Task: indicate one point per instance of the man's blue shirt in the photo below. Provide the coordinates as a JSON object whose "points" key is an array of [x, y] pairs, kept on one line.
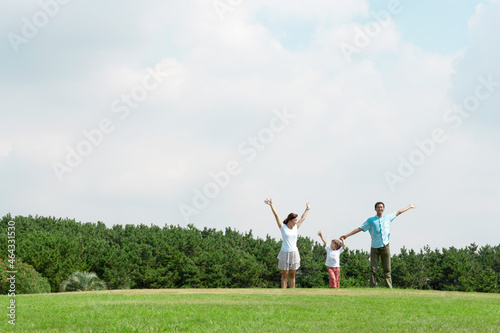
{"points": [[380, 229]]}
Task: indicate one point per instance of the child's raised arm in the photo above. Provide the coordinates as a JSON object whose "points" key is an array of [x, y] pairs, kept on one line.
{"points": [[343, 243], [321, 235]]}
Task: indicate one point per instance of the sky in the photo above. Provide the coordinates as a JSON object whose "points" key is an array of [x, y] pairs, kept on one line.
{"points": [[194, 112]]}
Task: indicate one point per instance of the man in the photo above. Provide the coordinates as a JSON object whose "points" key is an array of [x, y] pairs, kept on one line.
{"points": [[380, 231]]}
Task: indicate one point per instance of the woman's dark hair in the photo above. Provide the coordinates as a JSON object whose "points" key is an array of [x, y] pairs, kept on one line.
{"points": [[290, 217], [378, 203]]}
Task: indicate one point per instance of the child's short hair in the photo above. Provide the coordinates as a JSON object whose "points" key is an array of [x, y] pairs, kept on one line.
{"points": [[337, 243]]}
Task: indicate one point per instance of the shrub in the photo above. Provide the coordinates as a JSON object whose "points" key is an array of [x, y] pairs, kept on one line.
{"points": [[27, 279], [83, 281]]}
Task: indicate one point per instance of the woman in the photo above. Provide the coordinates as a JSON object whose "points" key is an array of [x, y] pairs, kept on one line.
{"points": [[289, 258]]}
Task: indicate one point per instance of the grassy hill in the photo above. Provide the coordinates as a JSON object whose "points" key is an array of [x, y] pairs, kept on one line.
{"points": [[256, 310]]}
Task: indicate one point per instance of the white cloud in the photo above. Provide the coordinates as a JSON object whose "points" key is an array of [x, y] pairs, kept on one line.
{"points": [[5, 148], [320, 9], [352, 120]]}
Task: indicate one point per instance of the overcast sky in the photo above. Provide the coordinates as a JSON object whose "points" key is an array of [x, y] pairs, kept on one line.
{"points": [[193, 112]]}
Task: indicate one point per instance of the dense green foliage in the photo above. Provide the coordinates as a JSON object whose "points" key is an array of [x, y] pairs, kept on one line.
{"points": [[25, 280], [175, 257]]}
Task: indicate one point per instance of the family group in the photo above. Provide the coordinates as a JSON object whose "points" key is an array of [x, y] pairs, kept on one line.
{"points": [[379, 227]]}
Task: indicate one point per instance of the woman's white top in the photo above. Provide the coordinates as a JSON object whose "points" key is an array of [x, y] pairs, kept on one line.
{"points": [[333, 256], [289, 237]]}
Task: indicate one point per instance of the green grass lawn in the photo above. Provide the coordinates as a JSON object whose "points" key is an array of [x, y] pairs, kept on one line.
{"points": [[256, 310]]}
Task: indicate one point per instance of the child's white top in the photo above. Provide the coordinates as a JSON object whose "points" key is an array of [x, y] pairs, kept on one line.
{"points": [[289, 237], [333, 256]]}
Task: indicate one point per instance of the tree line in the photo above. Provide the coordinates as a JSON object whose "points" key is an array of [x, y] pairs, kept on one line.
{"points": [[186, 257]]}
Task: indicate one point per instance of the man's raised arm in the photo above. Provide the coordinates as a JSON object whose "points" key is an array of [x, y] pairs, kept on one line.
{"points": [[410, 206]]}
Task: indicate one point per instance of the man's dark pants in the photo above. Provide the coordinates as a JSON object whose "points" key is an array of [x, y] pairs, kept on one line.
{"points": [[385, 254]]}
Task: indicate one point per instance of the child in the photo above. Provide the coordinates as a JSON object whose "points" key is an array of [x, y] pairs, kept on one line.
{"points": [[333, 259]]}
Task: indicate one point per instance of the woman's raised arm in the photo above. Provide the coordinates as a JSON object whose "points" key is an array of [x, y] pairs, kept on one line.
{"points": [[270, 203], [308, 207]]}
